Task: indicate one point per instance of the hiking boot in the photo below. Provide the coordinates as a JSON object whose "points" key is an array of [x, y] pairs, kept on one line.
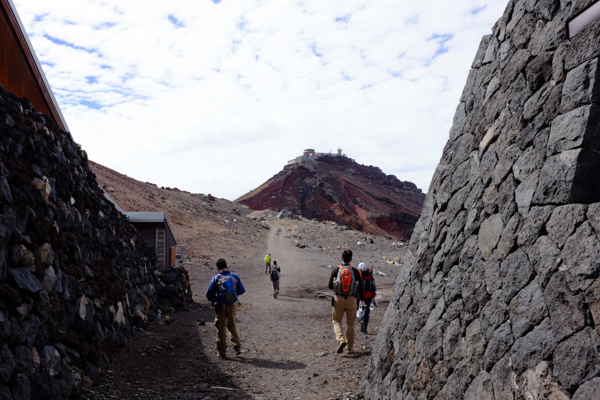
{"points": [[363, 328], [341, 346], [350, 351], [238, 350]]}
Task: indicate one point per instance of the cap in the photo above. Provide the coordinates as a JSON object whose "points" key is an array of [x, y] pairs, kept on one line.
{"points": [[362, 266]]}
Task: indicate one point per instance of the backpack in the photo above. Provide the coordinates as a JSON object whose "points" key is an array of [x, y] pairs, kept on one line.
{"points": [[227, 285], [368, 283], [344, 283], [275, 274]]}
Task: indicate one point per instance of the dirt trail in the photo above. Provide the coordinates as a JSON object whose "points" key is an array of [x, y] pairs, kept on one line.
{"points": [[288, 343]]}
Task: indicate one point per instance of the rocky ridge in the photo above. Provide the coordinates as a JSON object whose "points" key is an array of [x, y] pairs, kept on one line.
{"points": [[336, 188], [74, 275], [499, 296]]}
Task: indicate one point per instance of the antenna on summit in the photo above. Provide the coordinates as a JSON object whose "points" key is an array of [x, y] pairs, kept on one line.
{"points": [[339, 151]]}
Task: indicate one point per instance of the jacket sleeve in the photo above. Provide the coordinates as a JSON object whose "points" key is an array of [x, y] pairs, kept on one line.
{"points": [[240, 289], [360, 283], [211, 292], [333, 275]]}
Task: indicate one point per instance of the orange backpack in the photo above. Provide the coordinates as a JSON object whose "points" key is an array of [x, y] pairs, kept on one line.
{"points": [[344, 283]]}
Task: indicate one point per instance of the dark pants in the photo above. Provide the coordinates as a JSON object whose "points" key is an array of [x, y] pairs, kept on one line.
{"points": [[367, 311]]}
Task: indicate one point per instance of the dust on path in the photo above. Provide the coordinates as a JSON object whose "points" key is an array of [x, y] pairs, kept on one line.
{"points": [[288, 343]]}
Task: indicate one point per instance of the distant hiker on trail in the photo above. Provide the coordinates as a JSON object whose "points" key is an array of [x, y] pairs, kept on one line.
{"points": [[268, 264], [222, 292], [369, 292], [275, 275], [346, 282]]}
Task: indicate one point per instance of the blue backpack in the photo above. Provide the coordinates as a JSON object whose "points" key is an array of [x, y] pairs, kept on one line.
{"points": [[227, 285]]}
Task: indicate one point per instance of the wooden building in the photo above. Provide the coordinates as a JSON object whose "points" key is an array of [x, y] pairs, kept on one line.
{"points": [[155, 230], [20, 70]]}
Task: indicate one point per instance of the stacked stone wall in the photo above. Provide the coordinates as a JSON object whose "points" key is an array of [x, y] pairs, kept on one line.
{"points": [[74, 274], [499, 296]]}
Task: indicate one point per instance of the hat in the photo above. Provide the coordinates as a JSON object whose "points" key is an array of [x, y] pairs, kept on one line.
{"points": [[362, 266]]}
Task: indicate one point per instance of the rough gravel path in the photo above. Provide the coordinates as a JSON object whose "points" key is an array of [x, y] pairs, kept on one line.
{"points": [[288, 343]]}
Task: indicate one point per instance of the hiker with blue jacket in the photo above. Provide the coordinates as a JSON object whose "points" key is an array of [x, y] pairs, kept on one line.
{"points": [[222, 292]]}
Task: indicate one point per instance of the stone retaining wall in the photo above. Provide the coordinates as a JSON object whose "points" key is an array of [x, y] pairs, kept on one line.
{"points": [[499, 296], [74, 274]]}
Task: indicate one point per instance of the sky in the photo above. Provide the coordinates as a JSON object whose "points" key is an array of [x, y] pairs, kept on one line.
{"points": [[215, 96]]}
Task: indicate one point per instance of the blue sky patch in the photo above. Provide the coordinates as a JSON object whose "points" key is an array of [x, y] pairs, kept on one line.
{"points": [[40, 17], [346, 76], [477, 10], [91, 79], [413, 20], [442, 48], [71, 45], [104, 25], [216, 1], [105, 66], [175, 21], [90, 104], [315, 52], [50, 64], [395, 74], [127, 76], [345, 19]]}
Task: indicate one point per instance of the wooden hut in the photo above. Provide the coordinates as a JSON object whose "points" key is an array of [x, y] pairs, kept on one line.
{"points": [[155, 230]]}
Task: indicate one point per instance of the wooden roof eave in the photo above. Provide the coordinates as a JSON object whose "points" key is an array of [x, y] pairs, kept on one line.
{"points": [[34, 65]]}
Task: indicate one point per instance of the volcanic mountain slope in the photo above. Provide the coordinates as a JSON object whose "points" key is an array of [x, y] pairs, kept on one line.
{"points": [[338, 189], [209, 227]]}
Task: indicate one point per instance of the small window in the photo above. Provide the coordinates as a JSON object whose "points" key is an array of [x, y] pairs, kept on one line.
{"points": [[583, 19]]}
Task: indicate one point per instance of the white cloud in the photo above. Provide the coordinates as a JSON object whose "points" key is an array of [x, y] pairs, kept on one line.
{"points": [[217, 96]]}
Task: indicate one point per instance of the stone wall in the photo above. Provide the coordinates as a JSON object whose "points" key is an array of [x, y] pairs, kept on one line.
{"points": [[74, 274], [499, 296]]}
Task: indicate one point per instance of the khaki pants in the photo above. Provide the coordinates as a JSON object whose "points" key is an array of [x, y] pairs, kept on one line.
{"points": [[344, 306], [275, 289], [225, 319], [267, 267]]}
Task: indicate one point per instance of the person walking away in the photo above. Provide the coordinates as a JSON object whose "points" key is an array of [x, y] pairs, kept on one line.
{"points": [[268, 264], [223, 291], [369, 293], [275, 275], [346, 283]]}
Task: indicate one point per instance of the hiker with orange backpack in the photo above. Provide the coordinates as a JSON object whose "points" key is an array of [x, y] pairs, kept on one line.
{"points": [[346, 282], [369, 293]]}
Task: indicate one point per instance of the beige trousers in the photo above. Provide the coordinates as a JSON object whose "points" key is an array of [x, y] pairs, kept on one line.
{"points": [[275, 288], [225, 320], [344, 306]]}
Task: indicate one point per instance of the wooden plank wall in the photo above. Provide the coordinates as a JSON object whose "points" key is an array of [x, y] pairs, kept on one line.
{"points": [[18, 73]]}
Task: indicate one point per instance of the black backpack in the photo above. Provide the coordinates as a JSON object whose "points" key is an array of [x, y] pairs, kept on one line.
{"points": [[274, 274]]}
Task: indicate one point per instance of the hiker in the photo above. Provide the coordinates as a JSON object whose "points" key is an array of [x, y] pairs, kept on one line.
{"points": [[268, 264], [345, 281], [275, 275], [222, 292], [369, 293]]}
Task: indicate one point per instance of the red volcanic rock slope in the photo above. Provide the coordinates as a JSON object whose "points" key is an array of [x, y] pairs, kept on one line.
{"points": [[336, 188]]}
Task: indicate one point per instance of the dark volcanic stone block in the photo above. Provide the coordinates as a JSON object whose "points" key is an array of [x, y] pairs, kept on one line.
{"points": [[577, 359], [24, 279]]}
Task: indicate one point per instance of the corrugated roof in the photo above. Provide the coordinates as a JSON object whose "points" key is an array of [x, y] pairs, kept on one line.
{"points": [[145, 216]]}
